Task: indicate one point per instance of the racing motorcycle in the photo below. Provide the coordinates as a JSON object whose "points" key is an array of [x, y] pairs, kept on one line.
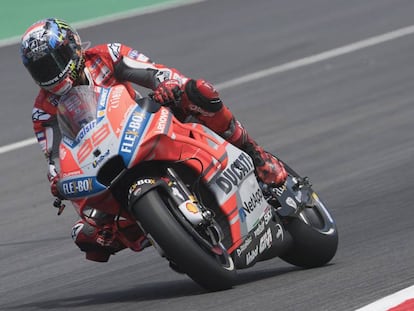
{"points": [[190, 193]]}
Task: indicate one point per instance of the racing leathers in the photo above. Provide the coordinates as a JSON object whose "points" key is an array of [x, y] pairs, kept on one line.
{"points": [[110, 64]]}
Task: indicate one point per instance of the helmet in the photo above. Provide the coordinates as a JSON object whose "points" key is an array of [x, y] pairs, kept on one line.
{"points": [[51, 51]]}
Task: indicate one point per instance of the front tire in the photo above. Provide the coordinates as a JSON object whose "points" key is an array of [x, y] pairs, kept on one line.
{"points": [[179, 246]]}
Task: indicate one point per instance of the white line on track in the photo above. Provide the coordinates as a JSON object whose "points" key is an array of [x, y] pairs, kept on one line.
{"points": [[346, 49], [18, 145]]}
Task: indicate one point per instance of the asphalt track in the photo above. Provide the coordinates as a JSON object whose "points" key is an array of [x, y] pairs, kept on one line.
{"points": [[347, 122]]}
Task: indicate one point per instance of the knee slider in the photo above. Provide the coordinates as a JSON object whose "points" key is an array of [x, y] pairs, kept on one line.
{"points": [[204, 95]]}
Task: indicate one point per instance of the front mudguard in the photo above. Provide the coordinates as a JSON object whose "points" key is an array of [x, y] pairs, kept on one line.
{"points": [[143, 185]]}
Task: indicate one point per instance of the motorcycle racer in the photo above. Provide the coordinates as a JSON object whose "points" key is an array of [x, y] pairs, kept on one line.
{"points": [[52, 52]]}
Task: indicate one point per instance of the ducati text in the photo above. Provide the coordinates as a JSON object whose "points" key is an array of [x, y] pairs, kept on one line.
{"points": [[234, 173]]}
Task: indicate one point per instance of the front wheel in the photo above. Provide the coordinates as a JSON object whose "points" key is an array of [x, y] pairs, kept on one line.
{"points": [[180, 247]]}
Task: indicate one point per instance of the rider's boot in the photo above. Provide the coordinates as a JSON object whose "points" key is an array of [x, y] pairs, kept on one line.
{"points": [[94, 242], [269, 169], [203, 101], [99, 243]]}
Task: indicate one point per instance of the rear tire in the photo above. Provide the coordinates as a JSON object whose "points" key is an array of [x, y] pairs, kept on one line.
{"points": [[311, 248], [314, 234], [179, 246]]}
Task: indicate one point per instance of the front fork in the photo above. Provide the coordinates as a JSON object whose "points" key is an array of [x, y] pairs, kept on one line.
{"points": [[187, 202], [193, 210]]}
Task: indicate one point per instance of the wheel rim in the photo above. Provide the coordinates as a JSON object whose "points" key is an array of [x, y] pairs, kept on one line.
{"points": [[318, 217]]}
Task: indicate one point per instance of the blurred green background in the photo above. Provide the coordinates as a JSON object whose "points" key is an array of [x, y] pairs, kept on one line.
{"points": [[16, 16]]}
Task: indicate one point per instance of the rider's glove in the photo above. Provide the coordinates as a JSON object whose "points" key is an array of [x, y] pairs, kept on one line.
{"points": [[53, 177], [168, 92]]}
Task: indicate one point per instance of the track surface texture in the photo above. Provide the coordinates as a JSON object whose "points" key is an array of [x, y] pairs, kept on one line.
{"points": [[346, 122]]}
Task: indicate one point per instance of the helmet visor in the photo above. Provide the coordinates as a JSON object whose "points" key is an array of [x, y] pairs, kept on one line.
{"points": [[51, 68]]}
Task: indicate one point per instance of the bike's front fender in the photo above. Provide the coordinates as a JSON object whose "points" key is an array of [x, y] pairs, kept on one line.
{"points": [[185, 202], [143, 185]]}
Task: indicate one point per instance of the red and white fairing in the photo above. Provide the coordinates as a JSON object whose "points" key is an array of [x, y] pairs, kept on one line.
{"points": [[120, 127]]}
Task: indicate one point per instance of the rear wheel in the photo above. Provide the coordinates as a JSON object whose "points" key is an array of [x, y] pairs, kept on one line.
{"points": [[314, 234], [213, 268], [315, 240]]}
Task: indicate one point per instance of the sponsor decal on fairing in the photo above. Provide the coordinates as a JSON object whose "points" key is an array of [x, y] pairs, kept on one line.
{"points": [[191, 212], [235, 173], [260, 228], [251, 256], [85, 130], [252, 205], [266, 241], [163, 120], [132, 133], [249, 205], [71, 143], [62, 153], [79, 187], [244, 246], [242, 215], [115, 99], [262, 224], [238, 178], [268, 215], [73, 173], [100, 159], [254, 200], [103, 98]]}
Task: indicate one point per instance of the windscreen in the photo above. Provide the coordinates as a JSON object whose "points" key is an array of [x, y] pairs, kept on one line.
{"points": [[77, 110]]}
